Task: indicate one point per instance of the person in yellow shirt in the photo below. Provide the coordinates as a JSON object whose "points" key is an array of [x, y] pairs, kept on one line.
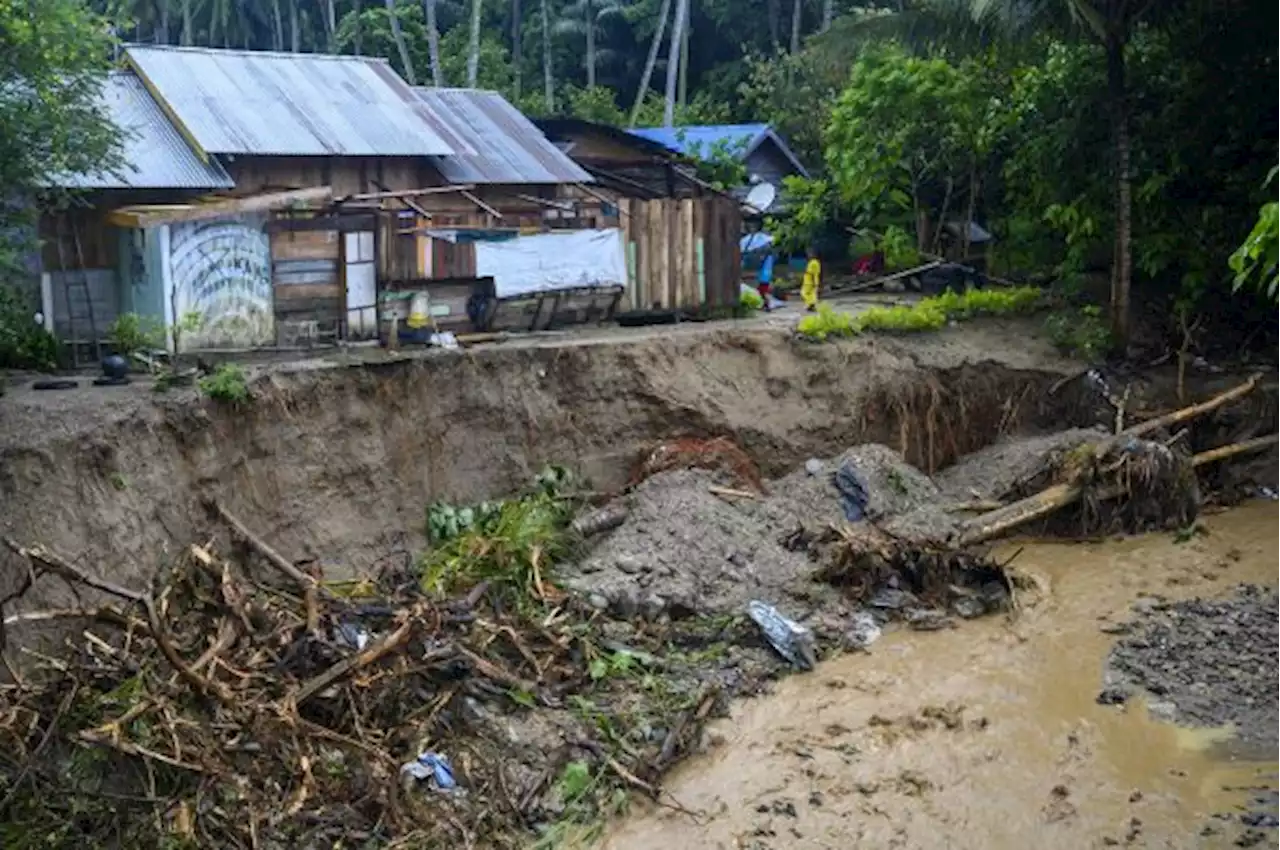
{"points": [[812, 280]]}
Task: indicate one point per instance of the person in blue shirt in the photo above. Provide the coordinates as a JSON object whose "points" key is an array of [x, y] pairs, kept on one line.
{"points": [[764, 280]]}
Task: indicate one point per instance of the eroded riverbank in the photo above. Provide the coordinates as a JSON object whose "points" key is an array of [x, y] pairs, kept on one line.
{"points": [[989, 736]]}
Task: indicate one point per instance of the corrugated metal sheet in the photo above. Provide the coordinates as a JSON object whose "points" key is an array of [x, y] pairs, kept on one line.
{"points": [[509, 148], [289, 104], [155, 154], [739, 139]]}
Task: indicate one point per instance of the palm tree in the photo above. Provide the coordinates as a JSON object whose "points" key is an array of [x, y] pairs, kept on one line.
{"points": [[1110, 24], [795, 26], [548, 78], [517, 48], [400, 45], [673, 62], [583, 19], [828, 14], [651, 60], [473, 53], [433, 42]]}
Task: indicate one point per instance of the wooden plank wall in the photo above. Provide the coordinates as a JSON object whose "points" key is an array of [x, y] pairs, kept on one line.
{"points": [[306, 275], [668, 270]]}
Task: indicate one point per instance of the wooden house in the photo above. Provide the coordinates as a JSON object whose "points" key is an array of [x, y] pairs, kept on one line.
{"points": [[682, 235]]}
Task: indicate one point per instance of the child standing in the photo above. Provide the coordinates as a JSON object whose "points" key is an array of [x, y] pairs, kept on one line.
{"points": [[812, 280], [764, 281]]}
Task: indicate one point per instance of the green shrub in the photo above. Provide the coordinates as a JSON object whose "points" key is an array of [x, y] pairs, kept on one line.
{"points": [[750, 300], [23, 343], [1080, 332], [130, 333], [826, 322], [927, 314], [922, 316], [227, 384], [899, 248]]}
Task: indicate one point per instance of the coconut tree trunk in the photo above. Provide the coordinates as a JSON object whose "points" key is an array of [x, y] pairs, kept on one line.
{"points": [[403, 49], [774, 13], [795, 27], [684, 56], [651, 60], [517, 47], [548, 76], [590, 12], [295, 27], [162, 30], [187, 33], [473, 53], [828, 14], [330, 24], [277, 26], [433, 42], [1122, 267], [673, 62], [358, 7]]}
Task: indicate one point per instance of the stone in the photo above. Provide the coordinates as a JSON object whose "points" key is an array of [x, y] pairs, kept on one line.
{"points": [[625, 603], [628, 564], [968, 607], [813, 466], [598, 601], [653, 606]]}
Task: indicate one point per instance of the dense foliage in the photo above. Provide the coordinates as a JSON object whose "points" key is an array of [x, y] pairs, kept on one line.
{"points": [[53, 55], [908, 114]]}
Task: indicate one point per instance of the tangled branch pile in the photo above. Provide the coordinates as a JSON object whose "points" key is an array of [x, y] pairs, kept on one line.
{"points": [[221, 710]]}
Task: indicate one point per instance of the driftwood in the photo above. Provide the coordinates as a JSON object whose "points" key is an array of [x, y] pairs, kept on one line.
{"points": [[1002, 520]]}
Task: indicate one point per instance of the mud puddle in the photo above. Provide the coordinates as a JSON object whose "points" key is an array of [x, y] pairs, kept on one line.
{"points": [[989, 736]]}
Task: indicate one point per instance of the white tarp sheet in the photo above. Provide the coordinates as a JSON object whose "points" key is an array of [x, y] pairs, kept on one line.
{"points": [[545, 262]]}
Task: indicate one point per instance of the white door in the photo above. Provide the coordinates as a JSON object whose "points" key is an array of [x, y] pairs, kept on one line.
{"points": [[362, 286]]}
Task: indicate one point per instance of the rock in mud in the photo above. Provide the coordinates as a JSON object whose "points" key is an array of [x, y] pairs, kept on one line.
{"points": [[968, 607]]}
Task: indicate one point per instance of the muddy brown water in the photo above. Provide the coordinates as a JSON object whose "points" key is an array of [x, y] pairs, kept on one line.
{"points": [[988, 736]]}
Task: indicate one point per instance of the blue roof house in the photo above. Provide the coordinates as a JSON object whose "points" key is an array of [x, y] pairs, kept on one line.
{"points": [[766, 155]]}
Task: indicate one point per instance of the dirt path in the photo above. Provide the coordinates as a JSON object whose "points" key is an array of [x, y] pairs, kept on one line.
{"points": [[990, 736]]}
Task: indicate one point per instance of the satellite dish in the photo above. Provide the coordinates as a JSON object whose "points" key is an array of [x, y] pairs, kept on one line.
{"points": [[761, 196]]}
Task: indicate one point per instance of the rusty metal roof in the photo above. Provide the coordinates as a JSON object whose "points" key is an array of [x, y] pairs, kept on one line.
{"points": [[509, 148], [287, 104], [155, 156]]}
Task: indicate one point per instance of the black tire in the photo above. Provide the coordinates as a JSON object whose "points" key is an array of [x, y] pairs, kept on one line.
{"points": [[62, 384]]}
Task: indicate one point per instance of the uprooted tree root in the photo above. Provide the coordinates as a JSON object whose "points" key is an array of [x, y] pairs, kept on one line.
{"points": [[718, 454], [220, 711], [934, 422], [1128, 482], [865, 561]]}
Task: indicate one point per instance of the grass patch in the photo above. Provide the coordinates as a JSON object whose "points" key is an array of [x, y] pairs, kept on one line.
{"points": [[927, 314], [510, 544], [227, 384]]}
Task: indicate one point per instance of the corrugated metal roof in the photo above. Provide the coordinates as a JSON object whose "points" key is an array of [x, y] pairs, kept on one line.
{"points": [[741, 139], [288, 104], [155, 154], [509, 148]]}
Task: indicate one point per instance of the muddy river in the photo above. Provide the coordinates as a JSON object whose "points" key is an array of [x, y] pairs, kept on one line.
{"points": [[988, 736]]}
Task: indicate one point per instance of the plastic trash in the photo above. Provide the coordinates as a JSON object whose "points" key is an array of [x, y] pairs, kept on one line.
{"points": [[1268, 493], [792, 641], [434, 767], [445, 339], [853, 493], [863, 630], [353, 635]]}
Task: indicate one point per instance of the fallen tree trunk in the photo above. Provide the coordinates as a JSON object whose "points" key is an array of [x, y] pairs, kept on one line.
{"points": [[997, 522]]}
